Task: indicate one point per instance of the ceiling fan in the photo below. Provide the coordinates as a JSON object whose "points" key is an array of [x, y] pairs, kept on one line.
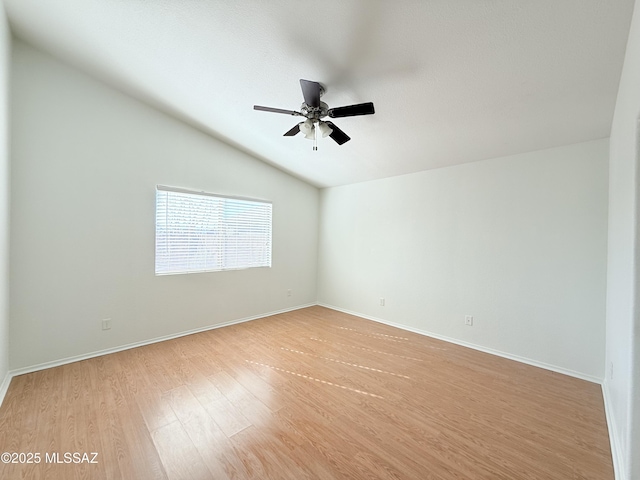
{"points": [[314, 110]]}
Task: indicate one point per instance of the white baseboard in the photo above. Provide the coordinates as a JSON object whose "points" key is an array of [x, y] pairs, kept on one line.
{"points": [[616, 451], [5, 386], [517, 358], [98, 353]]}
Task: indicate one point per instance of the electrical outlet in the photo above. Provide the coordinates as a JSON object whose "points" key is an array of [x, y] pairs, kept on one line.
{"points": [[382, 302], [106, 324], [288, 292], [468, 320]]}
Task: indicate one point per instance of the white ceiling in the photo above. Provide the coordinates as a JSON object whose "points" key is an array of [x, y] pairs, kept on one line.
{"points": [[452, 81]]}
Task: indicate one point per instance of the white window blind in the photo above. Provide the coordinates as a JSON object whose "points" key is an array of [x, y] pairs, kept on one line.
{"points": [[199, 232]]}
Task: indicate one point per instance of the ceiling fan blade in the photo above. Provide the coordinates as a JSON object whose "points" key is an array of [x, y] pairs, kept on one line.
{"points": [[294, 131], [338, 135], [276, 110], [310, 92], [352, 110]]}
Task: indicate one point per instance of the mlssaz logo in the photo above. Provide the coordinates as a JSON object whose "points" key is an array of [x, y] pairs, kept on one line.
{"points": [[71, 457]]}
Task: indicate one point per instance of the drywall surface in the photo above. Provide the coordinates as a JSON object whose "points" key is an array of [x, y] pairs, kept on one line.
{"points": [[5, 55], [86, 161], [623, 326], [519, 243]]}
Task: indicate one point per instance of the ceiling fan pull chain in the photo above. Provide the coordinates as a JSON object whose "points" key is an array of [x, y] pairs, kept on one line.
{"points": [[315, 137]]}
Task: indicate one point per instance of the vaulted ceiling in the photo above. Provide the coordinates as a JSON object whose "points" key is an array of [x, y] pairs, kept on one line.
{"points": [[452, 81]]}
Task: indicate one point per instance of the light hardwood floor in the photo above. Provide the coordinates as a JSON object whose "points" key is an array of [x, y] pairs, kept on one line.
{"points": [[312, 394]]}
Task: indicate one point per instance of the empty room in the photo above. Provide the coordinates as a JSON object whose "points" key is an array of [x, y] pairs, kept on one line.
{"points": [[355, 239]]}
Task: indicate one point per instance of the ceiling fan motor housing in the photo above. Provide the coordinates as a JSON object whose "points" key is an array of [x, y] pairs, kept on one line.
{"points": [[314, 113]]}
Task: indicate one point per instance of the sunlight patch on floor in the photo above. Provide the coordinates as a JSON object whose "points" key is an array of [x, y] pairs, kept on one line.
{"points": [[315, 379]]}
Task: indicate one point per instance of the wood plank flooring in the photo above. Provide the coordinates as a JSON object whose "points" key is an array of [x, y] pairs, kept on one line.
{"points": [[311, 394]]}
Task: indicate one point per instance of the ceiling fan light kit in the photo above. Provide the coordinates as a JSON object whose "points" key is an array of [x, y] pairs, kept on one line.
{"points": [[325, 129], [314, 110], [306, 127]]}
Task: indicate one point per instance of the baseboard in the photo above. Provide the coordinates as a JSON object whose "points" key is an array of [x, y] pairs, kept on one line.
{"points": [[480, 348], [616, 451], [107, 351], [5, 386]]}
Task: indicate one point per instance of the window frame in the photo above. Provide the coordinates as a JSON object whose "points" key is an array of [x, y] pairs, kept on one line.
{"points": [[188, 271]]}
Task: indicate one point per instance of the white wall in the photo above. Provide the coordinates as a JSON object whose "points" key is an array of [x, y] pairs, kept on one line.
{"points": [[85, 163], [5, 53], [624, 200], [518, 242]]}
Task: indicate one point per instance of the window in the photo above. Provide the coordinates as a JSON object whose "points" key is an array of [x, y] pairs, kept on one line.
{"points": [[201, 232]]}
